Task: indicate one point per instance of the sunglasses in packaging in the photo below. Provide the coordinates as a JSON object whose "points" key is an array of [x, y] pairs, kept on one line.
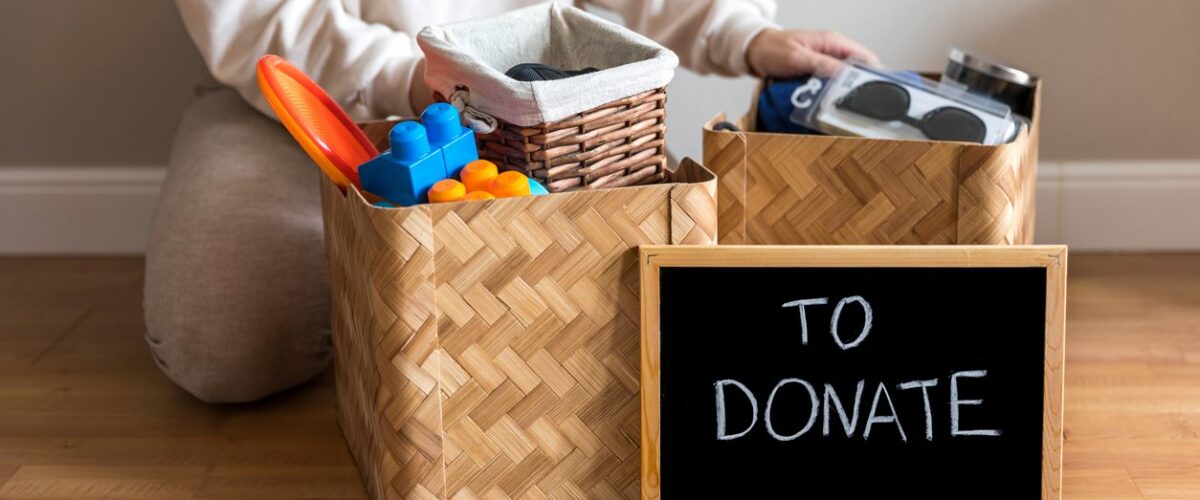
{"points": [[866, 102]]}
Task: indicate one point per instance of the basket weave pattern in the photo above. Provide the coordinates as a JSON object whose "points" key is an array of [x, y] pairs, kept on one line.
{"points": [[618, 144], [832, 190], [491, 349], [810, 189]]}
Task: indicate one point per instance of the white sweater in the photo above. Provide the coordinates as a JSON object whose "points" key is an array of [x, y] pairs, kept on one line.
{"points": [[364, 52]]}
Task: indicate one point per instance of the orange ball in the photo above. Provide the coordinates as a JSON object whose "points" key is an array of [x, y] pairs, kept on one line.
{"points": [[447, 190], [479, 195], [510, 184], [478, 175]]}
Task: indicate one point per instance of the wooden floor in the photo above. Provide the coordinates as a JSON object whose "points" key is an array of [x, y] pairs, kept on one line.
{"points": [[84, 413]]}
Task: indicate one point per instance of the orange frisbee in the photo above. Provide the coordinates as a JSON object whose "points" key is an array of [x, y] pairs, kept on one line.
{"points": [[315, 120]]}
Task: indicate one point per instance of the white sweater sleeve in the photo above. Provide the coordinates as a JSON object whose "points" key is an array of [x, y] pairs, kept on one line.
{"points": [[710, 36], [366, 67]]}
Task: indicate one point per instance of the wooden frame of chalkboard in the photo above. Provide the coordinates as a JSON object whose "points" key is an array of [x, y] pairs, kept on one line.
{"points": [[654, 259]]}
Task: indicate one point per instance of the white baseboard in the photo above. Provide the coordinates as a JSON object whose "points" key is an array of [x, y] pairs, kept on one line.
{"points": [[1120, 205], [67, 211], [1091, 206]]}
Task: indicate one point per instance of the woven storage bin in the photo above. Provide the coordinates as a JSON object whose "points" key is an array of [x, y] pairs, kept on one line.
{"points": [[618, 144], [603, 128], [816, 189], [490, 349]]}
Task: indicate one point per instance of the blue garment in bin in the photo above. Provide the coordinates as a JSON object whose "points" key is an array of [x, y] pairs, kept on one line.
{"points": [[775, 107]]}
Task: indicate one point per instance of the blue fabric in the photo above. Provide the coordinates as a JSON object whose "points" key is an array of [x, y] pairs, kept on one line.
{"points": [[775, 108]]}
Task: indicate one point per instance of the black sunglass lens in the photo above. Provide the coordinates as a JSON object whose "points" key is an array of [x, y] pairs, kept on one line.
{"points": [[878, 100], [953, 124]]}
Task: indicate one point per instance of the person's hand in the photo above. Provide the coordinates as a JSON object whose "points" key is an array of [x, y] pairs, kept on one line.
{"points": [[781, 53]]}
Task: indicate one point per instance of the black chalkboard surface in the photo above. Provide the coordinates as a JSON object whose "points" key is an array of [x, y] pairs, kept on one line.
{"points": [[848, 372]]}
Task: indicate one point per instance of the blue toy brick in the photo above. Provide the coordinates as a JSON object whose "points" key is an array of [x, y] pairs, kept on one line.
{"points": [[442, 123], [536, 188], [404, 173], [459, 152], [446, 132], [403, 183]]}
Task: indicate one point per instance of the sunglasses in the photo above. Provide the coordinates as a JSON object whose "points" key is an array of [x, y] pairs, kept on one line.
{"points": [[888, 101]]}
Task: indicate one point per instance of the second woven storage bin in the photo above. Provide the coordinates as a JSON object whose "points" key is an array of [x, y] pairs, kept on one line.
{"points": [[788, 189], [490, 349], [600, 129]]}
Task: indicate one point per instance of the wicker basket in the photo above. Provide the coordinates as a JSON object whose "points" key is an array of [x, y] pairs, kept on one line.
{"points": [[617, 144], [785, 189], [490, 349]]}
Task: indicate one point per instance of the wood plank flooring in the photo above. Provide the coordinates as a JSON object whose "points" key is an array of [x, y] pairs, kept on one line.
{"points": [[84, 413]]}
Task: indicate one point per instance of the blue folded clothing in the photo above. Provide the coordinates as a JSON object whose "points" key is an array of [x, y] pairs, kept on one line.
{"points": [[776, 108]]}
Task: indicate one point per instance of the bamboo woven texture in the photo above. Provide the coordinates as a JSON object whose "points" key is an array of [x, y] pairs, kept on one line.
{"points": [[810, 189], [618, 144], [490, 349]]}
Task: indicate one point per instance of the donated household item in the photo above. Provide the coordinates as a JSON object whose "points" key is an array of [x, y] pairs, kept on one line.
{"points": [[888, 101], [446, 132], [404, 173], [447, 190], [510, 184], [491, 347], [315, 120], [866, 102], [824, 189], [536, 72], [598, 129], [986, 76], [420, 154], [536, 188], [478, 175], [777, 104], [479, 195], [726, 126], [783, 104]]}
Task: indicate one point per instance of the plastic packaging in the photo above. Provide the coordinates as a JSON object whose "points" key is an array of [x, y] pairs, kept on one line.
{"points": [[866, 102]]}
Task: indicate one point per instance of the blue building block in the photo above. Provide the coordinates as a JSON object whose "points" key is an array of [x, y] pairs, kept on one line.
{"points": [[404, 173], [447, 133], [536, 188]]}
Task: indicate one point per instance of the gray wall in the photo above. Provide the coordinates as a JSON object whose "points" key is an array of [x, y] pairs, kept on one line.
{"points": [[1120, 75], [91, 82]]}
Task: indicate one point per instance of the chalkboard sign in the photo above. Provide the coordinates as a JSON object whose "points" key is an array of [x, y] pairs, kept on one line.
{"points": [[852, 372]]}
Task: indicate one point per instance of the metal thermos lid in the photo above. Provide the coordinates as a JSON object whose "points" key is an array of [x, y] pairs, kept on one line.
{"points": [[992, 68]]}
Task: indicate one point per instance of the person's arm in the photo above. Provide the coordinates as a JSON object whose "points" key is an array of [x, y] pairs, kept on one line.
{"points": [[710, 36], [735, 37], [367, 68]]}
